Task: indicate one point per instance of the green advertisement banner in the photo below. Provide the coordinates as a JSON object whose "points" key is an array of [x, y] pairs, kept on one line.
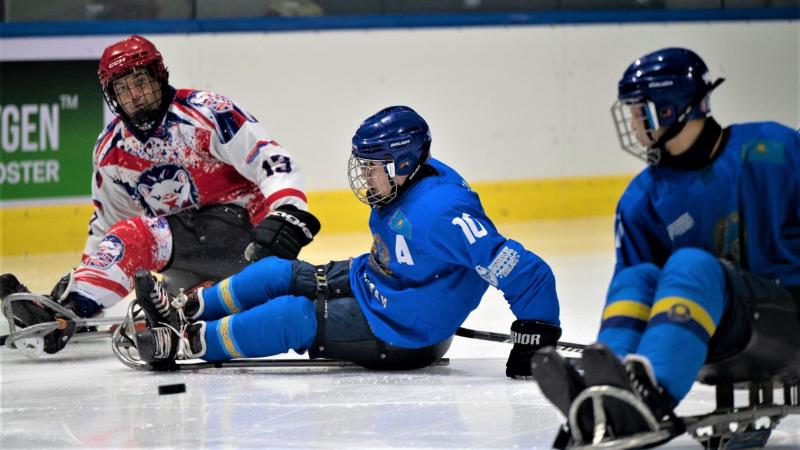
{"points": [[51, 113]]}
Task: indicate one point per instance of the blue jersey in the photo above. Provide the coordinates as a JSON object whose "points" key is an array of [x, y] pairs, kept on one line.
{"points": [[744, 206], [433, 257]]}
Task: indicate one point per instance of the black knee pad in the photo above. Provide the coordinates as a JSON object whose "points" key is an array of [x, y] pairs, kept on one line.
{"points": [[331, 280], [209, 242]]}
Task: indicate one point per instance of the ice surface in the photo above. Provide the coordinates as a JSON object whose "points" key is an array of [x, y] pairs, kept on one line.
{"points": [[83, 397]]}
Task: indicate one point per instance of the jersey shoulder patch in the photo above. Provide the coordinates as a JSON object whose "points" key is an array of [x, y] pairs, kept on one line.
{"points": [[215, 102]]}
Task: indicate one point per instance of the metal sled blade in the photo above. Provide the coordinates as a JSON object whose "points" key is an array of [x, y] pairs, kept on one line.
{"points": [[40, 330], [601, 439], [123, 343], [738, 429]]}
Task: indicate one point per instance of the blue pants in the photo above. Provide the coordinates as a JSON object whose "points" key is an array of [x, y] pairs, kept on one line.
{"points": [[272, 306], [668, 315]]}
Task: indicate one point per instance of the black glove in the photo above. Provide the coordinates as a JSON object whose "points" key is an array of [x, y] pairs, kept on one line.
{"points": [[282, 233], [59, 291], [27, 313], [528, 336]]}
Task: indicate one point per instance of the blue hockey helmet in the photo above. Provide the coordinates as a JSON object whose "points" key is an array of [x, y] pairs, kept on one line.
{"points": [[393, 142], [661, 90]]}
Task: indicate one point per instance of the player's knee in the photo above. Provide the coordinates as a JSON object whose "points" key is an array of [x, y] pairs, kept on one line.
{"points": [[272, 274], [297, 319], [636, 283], [694, 275], [693, 267], [130, 231], [138, 241]]}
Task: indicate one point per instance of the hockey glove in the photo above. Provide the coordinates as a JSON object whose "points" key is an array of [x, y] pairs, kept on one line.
{"points": [[61, 289], [282, 233], [528, 336]]}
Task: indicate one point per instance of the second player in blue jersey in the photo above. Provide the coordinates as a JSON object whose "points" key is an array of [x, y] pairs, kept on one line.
{"points": [[434, 255]]}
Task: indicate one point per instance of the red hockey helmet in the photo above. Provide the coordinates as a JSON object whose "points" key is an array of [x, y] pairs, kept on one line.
{"points": [[124, 56], [129, 55]]}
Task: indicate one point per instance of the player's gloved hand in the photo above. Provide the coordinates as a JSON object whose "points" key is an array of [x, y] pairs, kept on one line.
{"points": [[282, 233], [60, 290], [29, 313], [528, 336]]}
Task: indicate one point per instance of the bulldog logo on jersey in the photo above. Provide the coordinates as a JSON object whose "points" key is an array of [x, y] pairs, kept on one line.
{"points": [[218, 103], [166, 189], [108, 251]]}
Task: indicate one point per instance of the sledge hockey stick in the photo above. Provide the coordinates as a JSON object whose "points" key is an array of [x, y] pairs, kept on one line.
{"points": [[562, 346], [277, 363]]}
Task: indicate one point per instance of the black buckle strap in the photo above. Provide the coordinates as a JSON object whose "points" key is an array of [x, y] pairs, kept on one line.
{"points": [[323, 290]]}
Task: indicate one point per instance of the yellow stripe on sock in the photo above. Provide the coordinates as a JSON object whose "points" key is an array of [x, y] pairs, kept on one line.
{"points": [[227, 296], [227, 339], [682, 309], [627, 308]]}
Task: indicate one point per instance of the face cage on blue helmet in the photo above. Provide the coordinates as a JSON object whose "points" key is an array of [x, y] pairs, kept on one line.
{"points": [[365, 175], [624, 113]]}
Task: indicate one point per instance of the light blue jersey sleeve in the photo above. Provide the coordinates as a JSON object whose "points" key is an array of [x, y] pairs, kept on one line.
{"points": [[463, 235], [637, 238]]}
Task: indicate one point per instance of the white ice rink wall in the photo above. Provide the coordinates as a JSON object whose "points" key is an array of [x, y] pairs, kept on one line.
{"points": [[503, 103], [521, 111], [520, 102]]}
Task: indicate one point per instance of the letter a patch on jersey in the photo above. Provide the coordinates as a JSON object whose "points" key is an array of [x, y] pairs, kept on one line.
{"points": [[401, 251]]}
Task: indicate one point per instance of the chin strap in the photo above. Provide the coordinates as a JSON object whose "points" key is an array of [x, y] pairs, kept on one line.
{"points": [[168, 94], [681, 121]]}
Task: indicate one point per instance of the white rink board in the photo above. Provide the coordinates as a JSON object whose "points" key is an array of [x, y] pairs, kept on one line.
{"points": [[503, 102]]}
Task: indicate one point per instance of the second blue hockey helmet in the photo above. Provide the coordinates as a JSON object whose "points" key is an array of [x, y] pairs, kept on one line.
{"points": [[662, 89], [397, 140]]}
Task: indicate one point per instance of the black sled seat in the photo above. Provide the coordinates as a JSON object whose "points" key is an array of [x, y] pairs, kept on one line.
{"points": [[770, 359], [772, 353]]}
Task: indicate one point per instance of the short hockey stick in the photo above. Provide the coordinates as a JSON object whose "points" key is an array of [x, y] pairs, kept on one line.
{"points": [[502, 337]]}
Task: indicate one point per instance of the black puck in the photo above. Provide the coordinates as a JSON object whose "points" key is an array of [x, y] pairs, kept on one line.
{"points": [[166, 389]]}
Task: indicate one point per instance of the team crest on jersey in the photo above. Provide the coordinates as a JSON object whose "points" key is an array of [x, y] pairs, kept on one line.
{"points": [[108, 251], [166, 189], [726, 238], [380, 255], [218, 103]]}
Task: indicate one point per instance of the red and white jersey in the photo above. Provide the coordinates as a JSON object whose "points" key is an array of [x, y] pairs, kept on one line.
{"points": [[207, 151]]}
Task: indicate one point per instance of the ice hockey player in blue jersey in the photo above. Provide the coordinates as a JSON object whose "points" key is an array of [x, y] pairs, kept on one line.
{"points": [[434, 254], [707, 231]]}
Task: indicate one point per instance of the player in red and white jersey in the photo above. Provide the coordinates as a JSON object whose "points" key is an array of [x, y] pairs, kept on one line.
{"points": [[185, 182]]}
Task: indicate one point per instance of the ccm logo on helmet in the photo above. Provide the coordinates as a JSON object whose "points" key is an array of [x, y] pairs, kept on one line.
{"points": [[525, 339], [398, 144], [116, 63]]}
